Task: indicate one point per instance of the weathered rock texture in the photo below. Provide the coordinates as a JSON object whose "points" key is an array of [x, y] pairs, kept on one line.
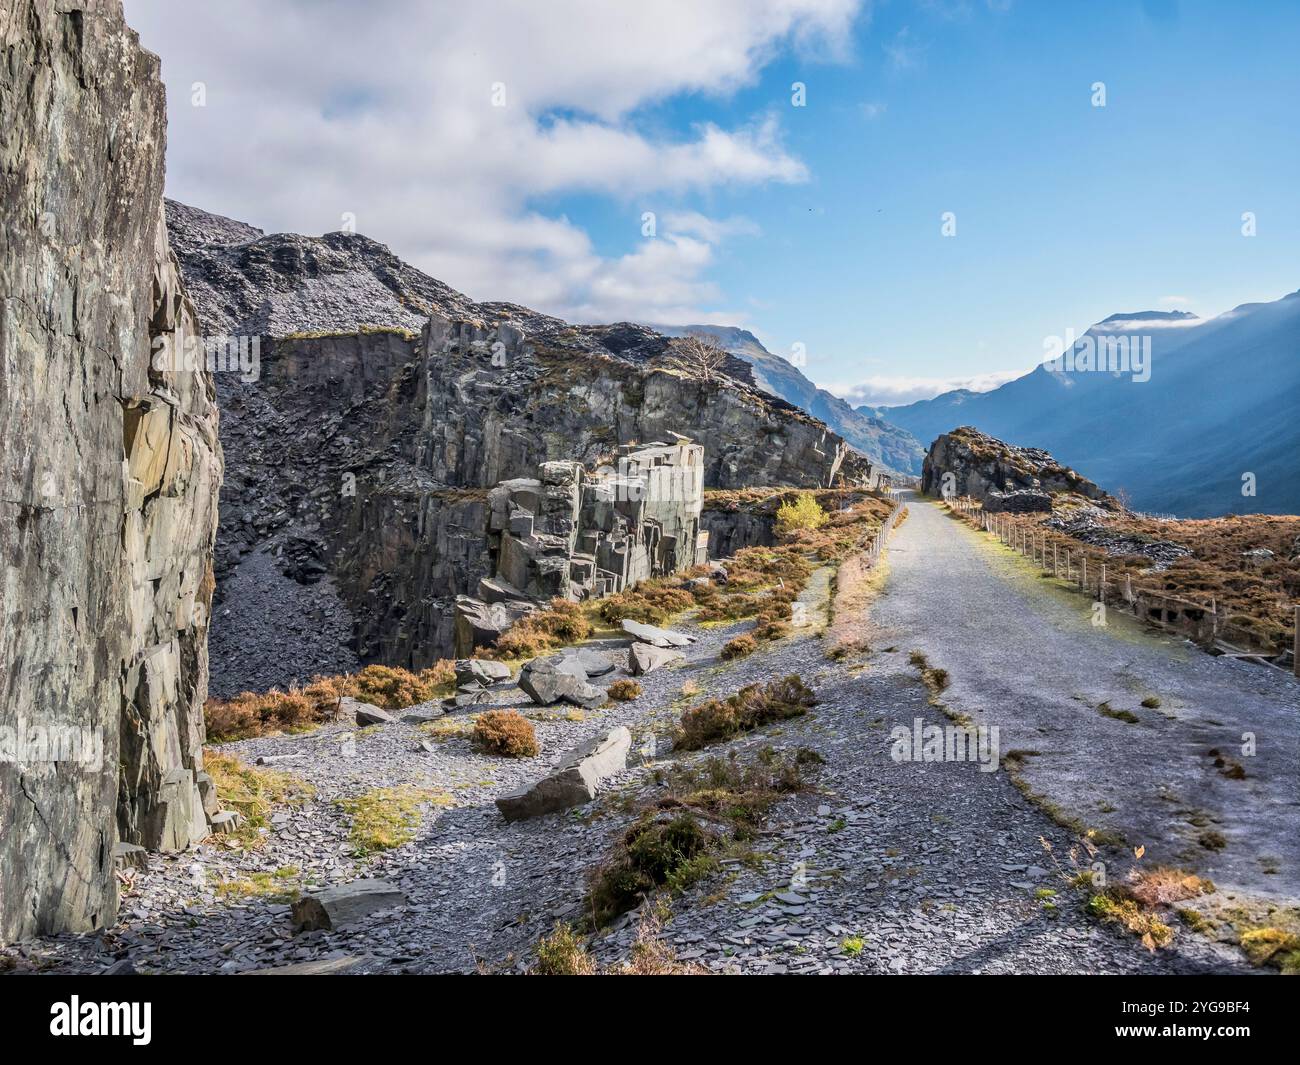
{"points": [[362, 454], [999, 475], [109, 472], [577, 534], [574, 781]]}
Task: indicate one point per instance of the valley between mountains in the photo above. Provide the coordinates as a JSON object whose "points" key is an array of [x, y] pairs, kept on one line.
{"points": [[866, 864], [352, 624]]}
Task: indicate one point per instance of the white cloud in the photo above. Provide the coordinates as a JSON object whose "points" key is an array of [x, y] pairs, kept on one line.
{"points": [[386, 111], [893, 391], [903, 52], [873, 110]]}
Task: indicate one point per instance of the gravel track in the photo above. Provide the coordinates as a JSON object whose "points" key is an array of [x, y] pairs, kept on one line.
{"points": [[1023, 654], [883, 867]]}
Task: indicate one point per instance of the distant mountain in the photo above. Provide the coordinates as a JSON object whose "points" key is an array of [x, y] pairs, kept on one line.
{"points": [[1220, 403], [884, 443]]}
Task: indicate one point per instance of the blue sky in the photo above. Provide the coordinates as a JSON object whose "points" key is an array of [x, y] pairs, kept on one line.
{"points": [[819, 225], [1065, 212]]}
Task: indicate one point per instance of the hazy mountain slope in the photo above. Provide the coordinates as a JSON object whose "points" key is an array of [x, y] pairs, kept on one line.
{"points": [[1220, 403], [885, 443]]}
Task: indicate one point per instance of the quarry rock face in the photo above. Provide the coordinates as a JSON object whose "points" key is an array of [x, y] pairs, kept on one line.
{"points": [[365, 452], [109, 474], [573, 534], [1001, 476]]}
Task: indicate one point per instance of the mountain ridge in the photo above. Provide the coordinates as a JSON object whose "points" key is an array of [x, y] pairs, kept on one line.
{"points": [[882, 442], [1210, 425]]}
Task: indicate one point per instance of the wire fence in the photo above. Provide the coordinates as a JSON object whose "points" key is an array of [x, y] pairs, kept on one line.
{"points": [[1202, 622]]}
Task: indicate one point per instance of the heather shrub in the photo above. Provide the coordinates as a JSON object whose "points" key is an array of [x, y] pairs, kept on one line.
{"points": [[249, 714], [624, 690], [750, 708], [658, 851], [738, 647], [562, 623], [507, 733], [394, 688], [770, 627]]}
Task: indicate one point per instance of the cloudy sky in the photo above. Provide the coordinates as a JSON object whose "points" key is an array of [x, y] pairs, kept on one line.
{"points": [[656, 160]]}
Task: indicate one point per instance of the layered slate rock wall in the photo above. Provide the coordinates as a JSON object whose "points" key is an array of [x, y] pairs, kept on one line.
{"points": [[967, 462], [109, 472], [577, 534], [384, 408]]}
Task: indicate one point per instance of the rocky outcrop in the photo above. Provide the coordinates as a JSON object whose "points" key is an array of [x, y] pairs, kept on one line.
{"points": [[419, 402], [108, 475], [967, 462]]}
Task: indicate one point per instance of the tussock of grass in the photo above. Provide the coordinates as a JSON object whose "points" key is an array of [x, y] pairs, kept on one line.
{"points": [[624, 690], [1113, 909], [1273, 946], [253, 793], [563, 953], [750, 708], [279, 885], [507, 733], [385, 818], [1127, 716]]}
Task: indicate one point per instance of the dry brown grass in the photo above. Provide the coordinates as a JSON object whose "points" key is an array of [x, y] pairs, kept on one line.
{"points": [[507, 733], [563, 953], [752, 707], [249, 714]]}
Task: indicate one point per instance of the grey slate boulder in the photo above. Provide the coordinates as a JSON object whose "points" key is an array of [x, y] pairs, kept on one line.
{"points": [[130, 855], [656, 636], [572, 782], [365, 713], [481, 671], [344, 904], [643, 658], [559, 678], [226, 822]]}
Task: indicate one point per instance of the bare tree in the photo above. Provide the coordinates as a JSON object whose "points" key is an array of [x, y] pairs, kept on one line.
{"points": [[698, 355]]}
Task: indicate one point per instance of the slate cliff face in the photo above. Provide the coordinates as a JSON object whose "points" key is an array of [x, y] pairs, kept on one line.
{"points": [[361, 455], [109, 474]]}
